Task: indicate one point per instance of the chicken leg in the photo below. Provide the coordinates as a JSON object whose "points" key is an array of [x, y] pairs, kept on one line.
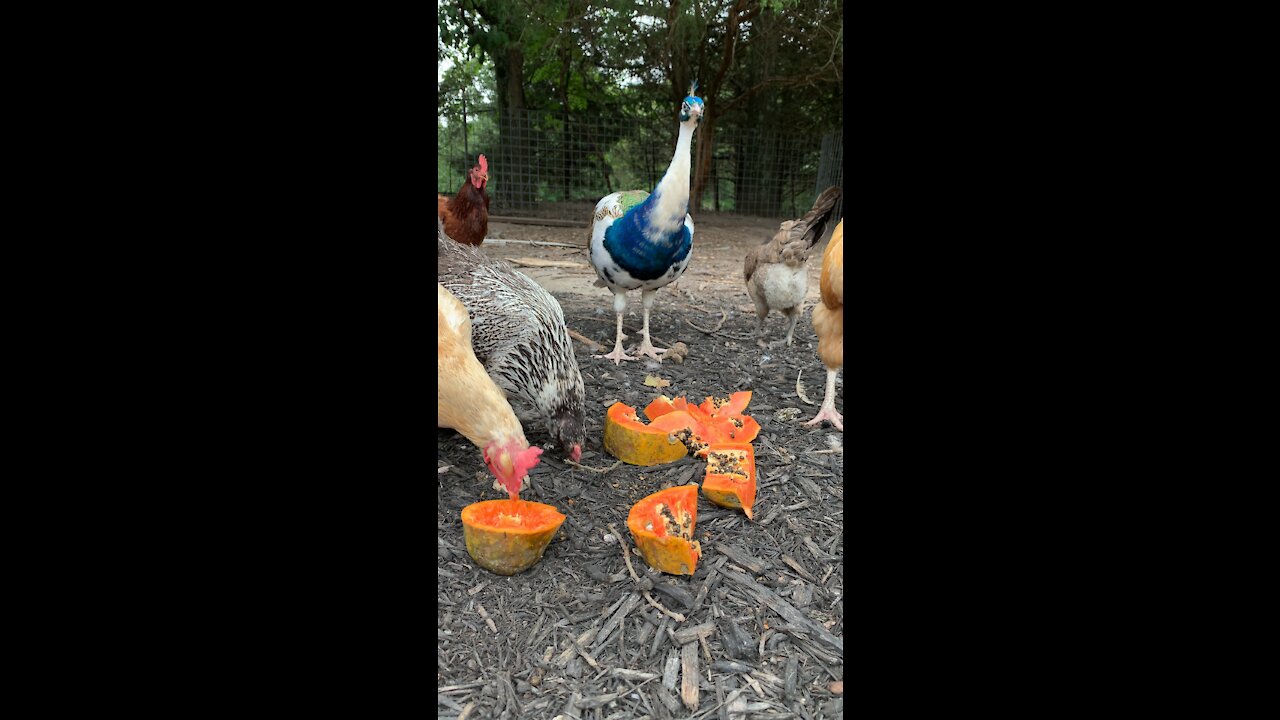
{"points": [[793, 313], [762, 312], [646, 347], [620, 306], [828, 411]]}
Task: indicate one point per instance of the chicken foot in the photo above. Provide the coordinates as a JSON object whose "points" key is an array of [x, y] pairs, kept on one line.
{"points": [[828, 411]]}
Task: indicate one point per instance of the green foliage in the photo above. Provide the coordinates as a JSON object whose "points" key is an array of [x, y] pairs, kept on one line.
{"points": [[630, 61]]}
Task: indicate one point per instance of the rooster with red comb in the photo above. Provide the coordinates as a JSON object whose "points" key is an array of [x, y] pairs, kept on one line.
{"points": [[469, 402], [466, 215]]}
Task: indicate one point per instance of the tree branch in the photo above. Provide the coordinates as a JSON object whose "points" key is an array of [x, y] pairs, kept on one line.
{"points": [[787, 80]]}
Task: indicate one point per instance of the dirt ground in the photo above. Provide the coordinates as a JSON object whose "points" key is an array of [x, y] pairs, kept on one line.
{"points": [[761, 625]]}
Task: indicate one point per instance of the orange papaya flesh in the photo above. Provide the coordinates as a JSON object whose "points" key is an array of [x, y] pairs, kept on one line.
{"points": [[697, 435], [738, 428], [634, 443], [732, 405], [659, 407], [731, 476], [508, 536], [663, 525]]}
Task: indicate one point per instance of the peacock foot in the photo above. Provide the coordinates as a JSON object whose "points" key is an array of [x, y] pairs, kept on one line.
{"points": [[830, 415], [617, 356], [647, 349]]}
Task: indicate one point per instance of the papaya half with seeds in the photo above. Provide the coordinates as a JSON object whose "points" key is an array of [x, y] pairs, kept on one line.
{"points": [[663, 525], [508, 536], [731, 476], [634, 443]]}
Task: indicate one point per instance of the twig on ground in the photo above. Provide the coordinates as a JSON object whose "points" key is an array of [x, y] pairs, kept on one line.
{"points": [[535, 243], [585, 340], [609, 469], [626, 555], [723, 316]]}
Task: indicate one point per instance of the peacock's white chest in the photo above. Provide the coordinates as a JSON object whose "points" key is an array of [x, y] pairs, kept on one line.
{"points": [[784, 287]]}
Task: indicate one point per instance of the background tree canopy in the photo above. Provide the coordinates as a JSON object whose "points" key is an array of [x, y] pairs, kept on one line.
{"points": [[523, 67]]}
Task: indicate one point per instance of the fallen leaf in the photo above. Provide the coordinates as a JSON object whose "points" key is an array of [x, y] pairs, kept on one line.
{"points": [[800, 389], [655, 381]]}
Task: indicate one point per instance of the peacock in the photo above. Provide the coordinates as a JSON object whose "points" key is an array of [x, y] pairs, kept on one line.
{"points": [[642, 241]]}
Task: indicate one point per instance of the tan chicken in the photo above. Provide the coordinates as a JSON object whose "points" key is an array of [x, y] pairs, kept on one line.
{"points": [[469, 402], [828, 322], [776, 276]]}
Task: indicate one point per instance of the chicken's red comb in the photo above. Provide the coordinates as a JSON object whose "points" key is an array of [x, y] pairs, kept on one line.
{"points": [[484, 165]]}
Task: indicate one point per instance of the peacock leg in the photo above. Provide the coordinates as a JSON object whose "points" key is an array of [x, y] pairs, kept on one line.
{"points": [[646, 347], [618, 355], [828, 411]]}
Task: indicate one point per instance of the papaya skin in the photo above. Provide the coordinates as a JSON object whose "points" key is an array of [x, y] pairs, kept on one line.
{"points": [[635, 443], [499, 543]]}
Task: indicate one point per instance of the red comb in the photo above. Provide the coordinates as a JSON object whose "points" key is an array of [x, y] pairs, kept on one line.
{"points": [[484, 165]]}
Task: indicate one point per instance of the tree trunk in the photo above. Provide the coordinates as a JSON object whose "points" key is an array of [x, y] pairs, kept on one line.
{"points": [[705, 139], [516, 172]]}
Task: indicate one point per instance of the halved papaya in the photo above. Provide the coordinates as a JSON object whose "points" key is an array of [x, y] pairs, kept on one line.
{"points": [[508, 536], [662, 525], [731, 476], [732, 405], [634, 443]]}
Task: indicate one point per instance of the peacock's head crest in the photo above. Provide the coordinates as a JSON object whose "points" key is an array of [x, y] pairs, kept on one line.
{"points": [[692, 107]]}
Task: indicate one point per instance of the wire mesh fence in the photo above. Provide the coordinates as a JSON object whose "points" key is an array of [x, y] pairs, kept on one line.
{"points": [[549, 165]]}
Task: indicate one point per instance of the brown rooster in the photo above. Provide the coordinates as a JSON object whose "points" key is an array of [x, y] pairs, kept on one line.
{"points": [[828, 322], [466, 215]]}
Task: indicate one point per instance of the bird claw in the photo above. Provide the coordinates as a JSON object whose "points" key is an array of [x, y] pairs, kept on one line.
{"points": [[617, 356], [829, 414], [650, 351]]}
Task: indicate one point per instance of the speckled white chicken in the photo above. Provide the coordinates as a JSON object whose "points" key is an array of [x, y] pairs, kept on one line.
{"points": [[775, 272], [518, 333]]}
